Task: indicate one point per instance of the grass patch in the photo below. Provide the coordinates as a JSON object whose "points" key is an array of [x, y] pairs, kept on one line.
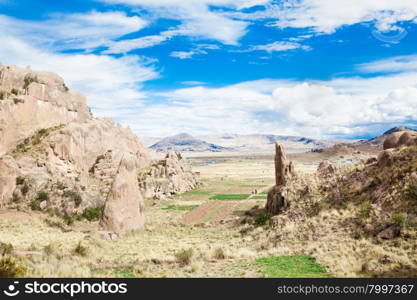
{"points": [[125, 273], [294, 266], [259, 197], [230, 197], [180, 207], [93, 214]]}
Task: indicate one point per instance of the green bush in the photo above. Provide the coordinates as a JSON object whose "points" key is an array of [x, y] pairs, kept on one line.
{"points": [[10, 268], [93, 214], [398, 218], [263, 219], [20, 180], [80, 249], [365, 209], [219, 253], [184, 257], [42, 196]]}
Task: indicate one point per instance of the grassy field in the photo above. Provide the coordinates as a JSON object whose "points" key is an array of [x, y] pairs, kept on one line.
{"points": [[230, 197], [294, 266]]}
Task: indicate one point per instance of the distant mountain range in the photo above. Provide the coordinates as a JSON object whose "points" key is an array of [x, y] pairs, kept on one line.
{"points": [[254, 143], [186, 143]]}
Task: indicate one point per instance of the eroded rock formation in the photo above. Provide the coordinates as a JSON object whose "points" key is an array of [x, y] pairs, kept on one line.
{"points": [[172, 175], [284, 170], [124, 210]]}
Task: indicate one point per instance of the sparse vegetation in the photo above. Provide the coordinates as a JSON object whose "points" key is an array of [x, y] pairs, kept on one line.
{"points": [[74, 196], [42, 196], [184, 257], [80, 249], [10, 268], [263, 219], [295, 266], [6, 249], [93, 214], [218, 253], [230, 197], [180, 207], [365, 209], [398, 218], [412, 190]]}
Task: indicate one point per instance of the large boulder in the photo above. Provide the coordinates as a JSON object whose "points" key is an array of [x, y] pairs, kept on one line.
{"points": [[284, 170], [124, 210], [400, 139]]}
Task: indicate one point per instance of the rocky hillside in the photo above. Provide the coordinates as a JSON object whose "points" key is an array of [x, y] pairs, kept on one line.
{"points": [[357, 220], [54, 156], [186, 143], [379, 140]]}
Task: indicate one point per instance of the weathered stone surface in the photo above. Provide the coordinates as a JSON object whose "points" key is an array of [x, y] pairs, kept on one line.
{"points": [[32, 100], [400, 139], [276, 200], [284, 170], [389, 232], [171, 175], [385, 158], [326, 168], [7, 179], [124, 208]]}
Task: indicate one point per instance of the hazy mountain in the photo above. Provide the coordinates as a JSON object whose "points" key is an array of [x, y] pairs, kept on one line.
{"points": [[186, 143]]}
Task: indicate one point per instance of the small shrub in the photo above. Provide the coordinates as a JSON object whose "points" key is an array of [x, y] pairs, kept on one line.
{"points": [[263, 219], [15, 91], [35, 204], [398, 218], [10, 268], [184, 257], [6, 248], [218, 253], [3, 95], [24, 189], [411, 190], [80, 249], [68, 219], [20, 180], [365, 209], [48, 249], [74, 196], [93, 214], [18, 100], [42, 196]]}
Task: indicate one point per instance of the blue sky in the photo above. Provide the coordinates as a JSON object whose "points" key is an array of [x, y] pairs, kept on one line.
{"points": [[318, 68]]}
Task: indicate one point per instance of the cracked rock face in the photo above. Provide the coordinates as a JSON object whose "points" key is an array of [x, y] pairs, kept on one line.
{"points": [[124, 208], [169, 176]]}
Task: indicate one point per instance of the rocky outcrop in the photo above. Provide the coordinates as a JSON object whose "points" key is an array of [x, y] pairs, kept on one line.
{"points": [[400, 139], [32, 100], [169, 176], [284, 170], [326, 169], [124, 208]]}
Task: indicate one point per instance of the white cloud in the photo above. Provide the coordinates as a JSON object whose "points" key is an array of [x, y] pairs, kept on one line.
{"points": [[73, 31], [280, 46], [393, 64], [197, 18], [328, 15], [110, 84]]}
